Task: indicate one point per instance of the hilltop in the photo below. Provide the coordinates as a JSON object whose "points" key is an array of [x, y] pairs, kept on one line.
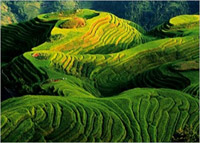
{"points": [[87, 75], [84, 31]]}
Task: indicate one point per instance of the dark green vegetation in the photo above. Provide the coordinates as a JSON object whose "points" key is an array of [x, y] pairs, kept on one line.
{"points": [[187, 134], [92, 76], [21, 37]]}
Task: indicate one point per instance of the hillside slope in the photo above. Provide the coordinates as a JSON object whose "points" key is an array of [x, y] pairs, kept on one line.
{"points": [[97, 32], [148, 115], [95, 77]]}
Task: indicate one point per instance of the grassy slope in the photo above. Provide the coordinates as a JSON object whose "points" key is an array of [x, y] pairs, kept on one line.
{"points": [[103, 67], [103, 33], [23, 36], [183, 25], [148, 115], [114, 71]]}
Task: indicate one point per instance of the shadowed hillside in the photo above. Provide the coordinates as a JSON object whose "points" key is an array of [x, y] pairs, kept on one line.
{"points": [[87, 75]]}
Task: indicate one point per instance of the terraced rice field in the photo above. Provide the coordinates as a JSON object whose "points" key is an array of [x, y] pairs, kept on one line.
{"points": [[107, 80], [148, 115], [23, 36]]}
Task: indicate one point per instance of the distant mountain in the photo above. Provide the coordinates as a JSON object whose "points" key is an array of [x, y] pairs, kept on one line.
{"points": [[7, 17], [25, 10]]}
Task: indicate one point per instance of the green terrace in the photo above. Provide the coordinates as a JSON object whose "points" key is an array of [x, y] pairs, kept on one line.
{"points": [[91, 76]]}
